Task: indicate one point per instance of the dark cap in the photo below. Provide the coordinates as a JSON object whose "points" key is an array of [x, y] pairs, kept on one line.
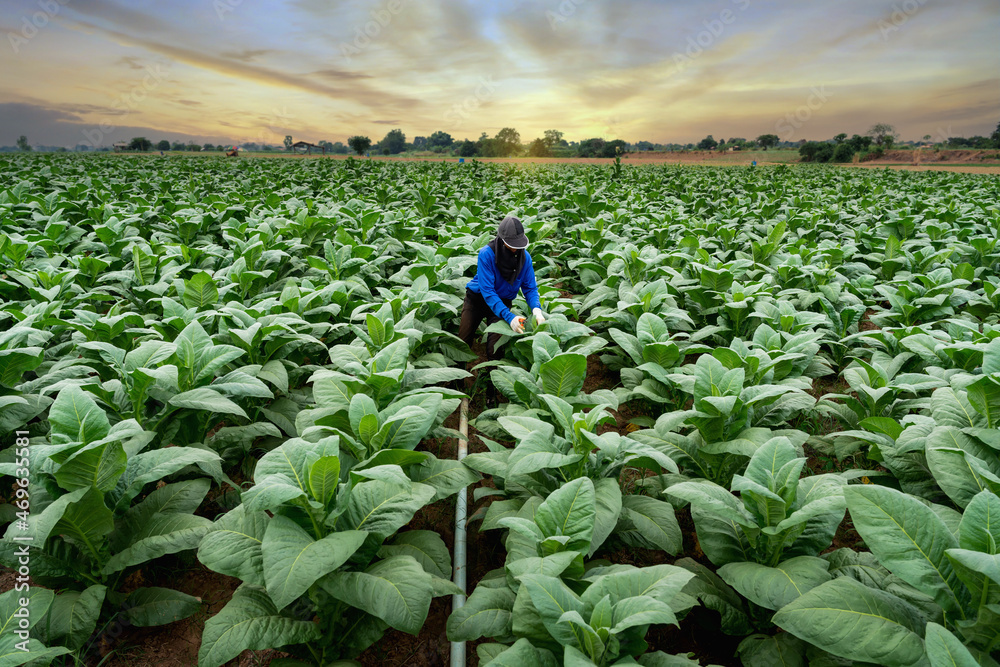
{"points": [[511, 232]]}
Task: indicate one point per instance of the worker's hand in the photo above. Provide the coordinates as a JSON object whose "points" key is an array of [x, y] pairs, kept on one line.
{"points": [[539, 318], [517, 324]]}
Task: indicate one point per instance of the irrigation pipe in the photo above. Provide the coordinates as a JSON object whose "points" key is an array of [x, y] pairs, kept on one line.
{"points": [[458, 600]]}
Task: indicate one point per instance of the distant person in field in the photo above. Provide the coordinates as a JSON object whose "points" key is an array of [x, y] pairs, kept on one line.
{"points": [[503, 270]]}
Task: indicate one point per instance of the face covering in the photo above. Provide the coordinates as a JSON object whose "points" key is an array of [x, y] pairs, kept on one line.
{"points": [[508, 263]]}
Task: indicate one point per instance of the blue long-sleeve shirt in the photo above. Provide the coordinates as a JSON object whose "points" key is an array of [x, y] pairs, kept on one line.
{"points": [[494, 288]]}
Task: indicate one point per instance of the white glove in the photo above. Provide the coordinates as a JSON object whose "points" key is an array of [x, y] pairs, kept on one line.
{"points": [[539, 318], [517, 324]]}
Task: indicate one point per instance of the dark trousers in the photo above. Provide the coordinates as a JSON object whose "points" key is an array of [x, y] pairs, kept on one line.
{"points": [[474, 310]]}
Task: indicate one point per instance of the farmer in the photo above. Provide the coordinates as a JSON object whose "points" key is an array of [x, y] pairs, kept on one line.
{"points": [[504, 268]]}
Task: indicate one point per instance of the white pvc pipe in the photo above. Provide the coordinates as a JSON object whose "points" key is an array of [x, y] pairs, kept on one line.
{"points": [[458, 601]]}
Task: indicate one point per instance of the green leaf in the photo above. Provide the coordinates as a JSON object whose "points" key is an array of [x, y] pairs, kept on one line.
{"points": [[563, 375], [99, 467], [909, 539], [487, 613], [200, 291], [324, 476], [208, 400], [945, 650], [396, 589], [86, 522], [654, 520], [856, 622], [76, 417], [72, 617], [250, 621], [381, 508], [775, 587], [766, 651], [446, 476], [232, 546], [163, 534], [980, 526], [553, 598], [570, 510], [147, 607], [294, 561], [426, 547], [608, 497]]}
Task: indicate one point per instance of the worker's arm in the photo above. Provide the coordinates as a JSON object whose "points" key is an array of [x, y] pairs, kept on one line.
{"points": [[487, 274]]}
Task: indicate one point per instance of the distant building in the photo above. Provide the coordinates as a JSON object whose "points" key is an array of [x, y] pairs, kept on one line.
{"points": [[120, 146]]}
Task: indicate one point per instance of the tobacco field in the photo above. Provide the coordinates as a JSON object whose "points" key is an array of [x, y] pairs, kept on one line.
{"points": [[759, 426]]}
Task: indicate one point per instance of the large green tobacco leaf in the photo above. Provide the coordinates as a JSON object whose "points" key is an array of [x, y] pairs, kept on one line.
{"points": [[250, 621], [980, 526], [909, 539], [293, 560], [563, 375], [147, 607], [75, 417], [654, 521], [381, 507], [426, 547], [780, 649], [232, 545], [774, 587], [945, 650], [99, 466], [162, 534], [856, 622], [487, 613], [72, 617], [208, 400], [86, 522], [396, 589], [570, 511], [446, 476]]}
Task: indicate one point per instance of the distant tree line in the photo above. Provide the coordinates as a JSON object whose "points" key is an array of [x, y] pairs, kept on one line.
{"points": [[507, 143]]}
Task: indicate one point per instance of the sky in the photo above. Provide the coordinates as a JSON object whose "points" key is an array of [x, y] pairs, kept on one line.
{"points": [[234, 71]]}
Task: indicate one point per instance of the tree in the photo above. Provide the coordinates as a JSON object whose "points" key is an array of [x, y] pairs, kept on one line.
{"points": [[164, 145], [707, 144], [883, 134], [843, 153], [768, 141], [553, 138], [208, 147], [419, 143], [141, 144], [509, 141], [439, 140], [288, 142], [359, 144], [840, 138], [643, 146], [539, 148], [927, 137], [394, 142], [590, 147], [339, 148], [996, 136], [467, 149], [22, 143], [859, 143]]}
